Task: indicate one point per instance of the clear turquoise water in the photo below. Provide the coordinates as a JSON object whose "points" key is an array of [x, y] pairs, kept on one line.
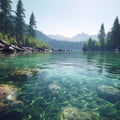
{"points": [[77, 73]]}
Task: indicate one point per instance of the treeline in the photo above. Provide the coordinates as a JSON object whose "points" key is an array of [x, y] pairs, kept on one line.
{"points": [[109, 41], [66, 45], [14, 30]]}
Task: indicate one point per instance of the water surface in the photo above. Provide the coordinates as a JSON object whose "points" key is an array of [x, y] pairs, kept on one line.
{"points": [[78, 74]]}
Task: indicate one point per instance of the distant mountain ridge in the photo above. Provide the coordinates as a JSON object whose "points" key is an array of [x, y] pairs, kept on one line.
{"points": [[59, 44], [77, 38], [59, 37], [83, 37]]}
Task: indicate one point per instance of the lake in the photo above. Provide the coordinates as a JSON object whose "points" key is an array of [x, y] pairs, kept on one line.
{"points": [[62, 80]]}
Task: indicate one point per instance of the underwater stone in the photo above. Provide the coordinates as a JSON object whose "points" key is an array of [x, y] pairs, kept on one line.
{"points": [[24, 73], [54, 88], [8, 94], [109, 93], [72, 113]]}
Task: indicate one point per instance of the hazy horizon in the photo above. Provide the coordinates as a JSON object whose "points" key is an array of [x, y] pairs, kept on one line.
{"points": [[70, 17]]}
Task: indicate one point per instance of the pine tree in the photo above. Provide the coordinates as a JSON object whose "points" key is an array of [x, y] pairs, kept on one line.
{"points": [[5, 15], [115, 35], [85, 46], [20, 23], [32, 25], [101, 37]]}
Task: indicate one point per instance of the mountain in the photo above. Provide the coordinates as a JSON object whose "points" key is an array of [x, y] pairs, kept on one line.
{"points": [[42, 36], [54, 42], [77, 38], [57, 44], [59, 37], [83, 37]]}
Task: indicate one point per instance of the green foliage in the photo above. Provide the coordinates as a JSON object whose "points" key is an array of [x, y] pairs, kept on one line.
{"points": [[32, 26], [101, 37], [8, 38], [109, 42], [35, 43], [85, 46], [90, 45], [20, 23], [16, 33], [27, 41], [5, 15], [13, 40], [114, 35], [60, 44], [1, 36]]}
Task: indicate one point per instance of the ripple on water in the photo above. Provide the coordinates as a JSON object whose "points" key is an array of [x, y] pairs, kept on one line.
{"points": [[67, 81]]}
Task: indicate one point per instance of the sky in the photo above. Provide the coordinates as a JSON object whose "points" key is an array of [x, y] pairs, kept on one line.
{"points": [[71, 17]]}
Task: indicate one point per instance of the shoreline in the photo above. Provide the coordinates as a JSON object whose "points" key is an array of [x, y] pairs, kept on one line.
{"points": [[6, 48]]}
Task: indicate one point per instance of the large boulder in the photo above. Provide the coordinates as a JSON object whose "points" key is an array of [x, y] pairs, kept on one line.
{"points": [[28, 49], [8, 97], [54, 88], [72, 113], [109, 93], [8, 50], [18, 49], [4, 43]]}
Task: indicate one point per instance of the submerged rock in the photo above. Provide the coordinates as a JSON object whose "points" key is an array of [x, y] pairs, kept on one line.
{"points": [[109, 93], [54, 88], [72, 113], [23, 73], [8, 96], [35, 70]]}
